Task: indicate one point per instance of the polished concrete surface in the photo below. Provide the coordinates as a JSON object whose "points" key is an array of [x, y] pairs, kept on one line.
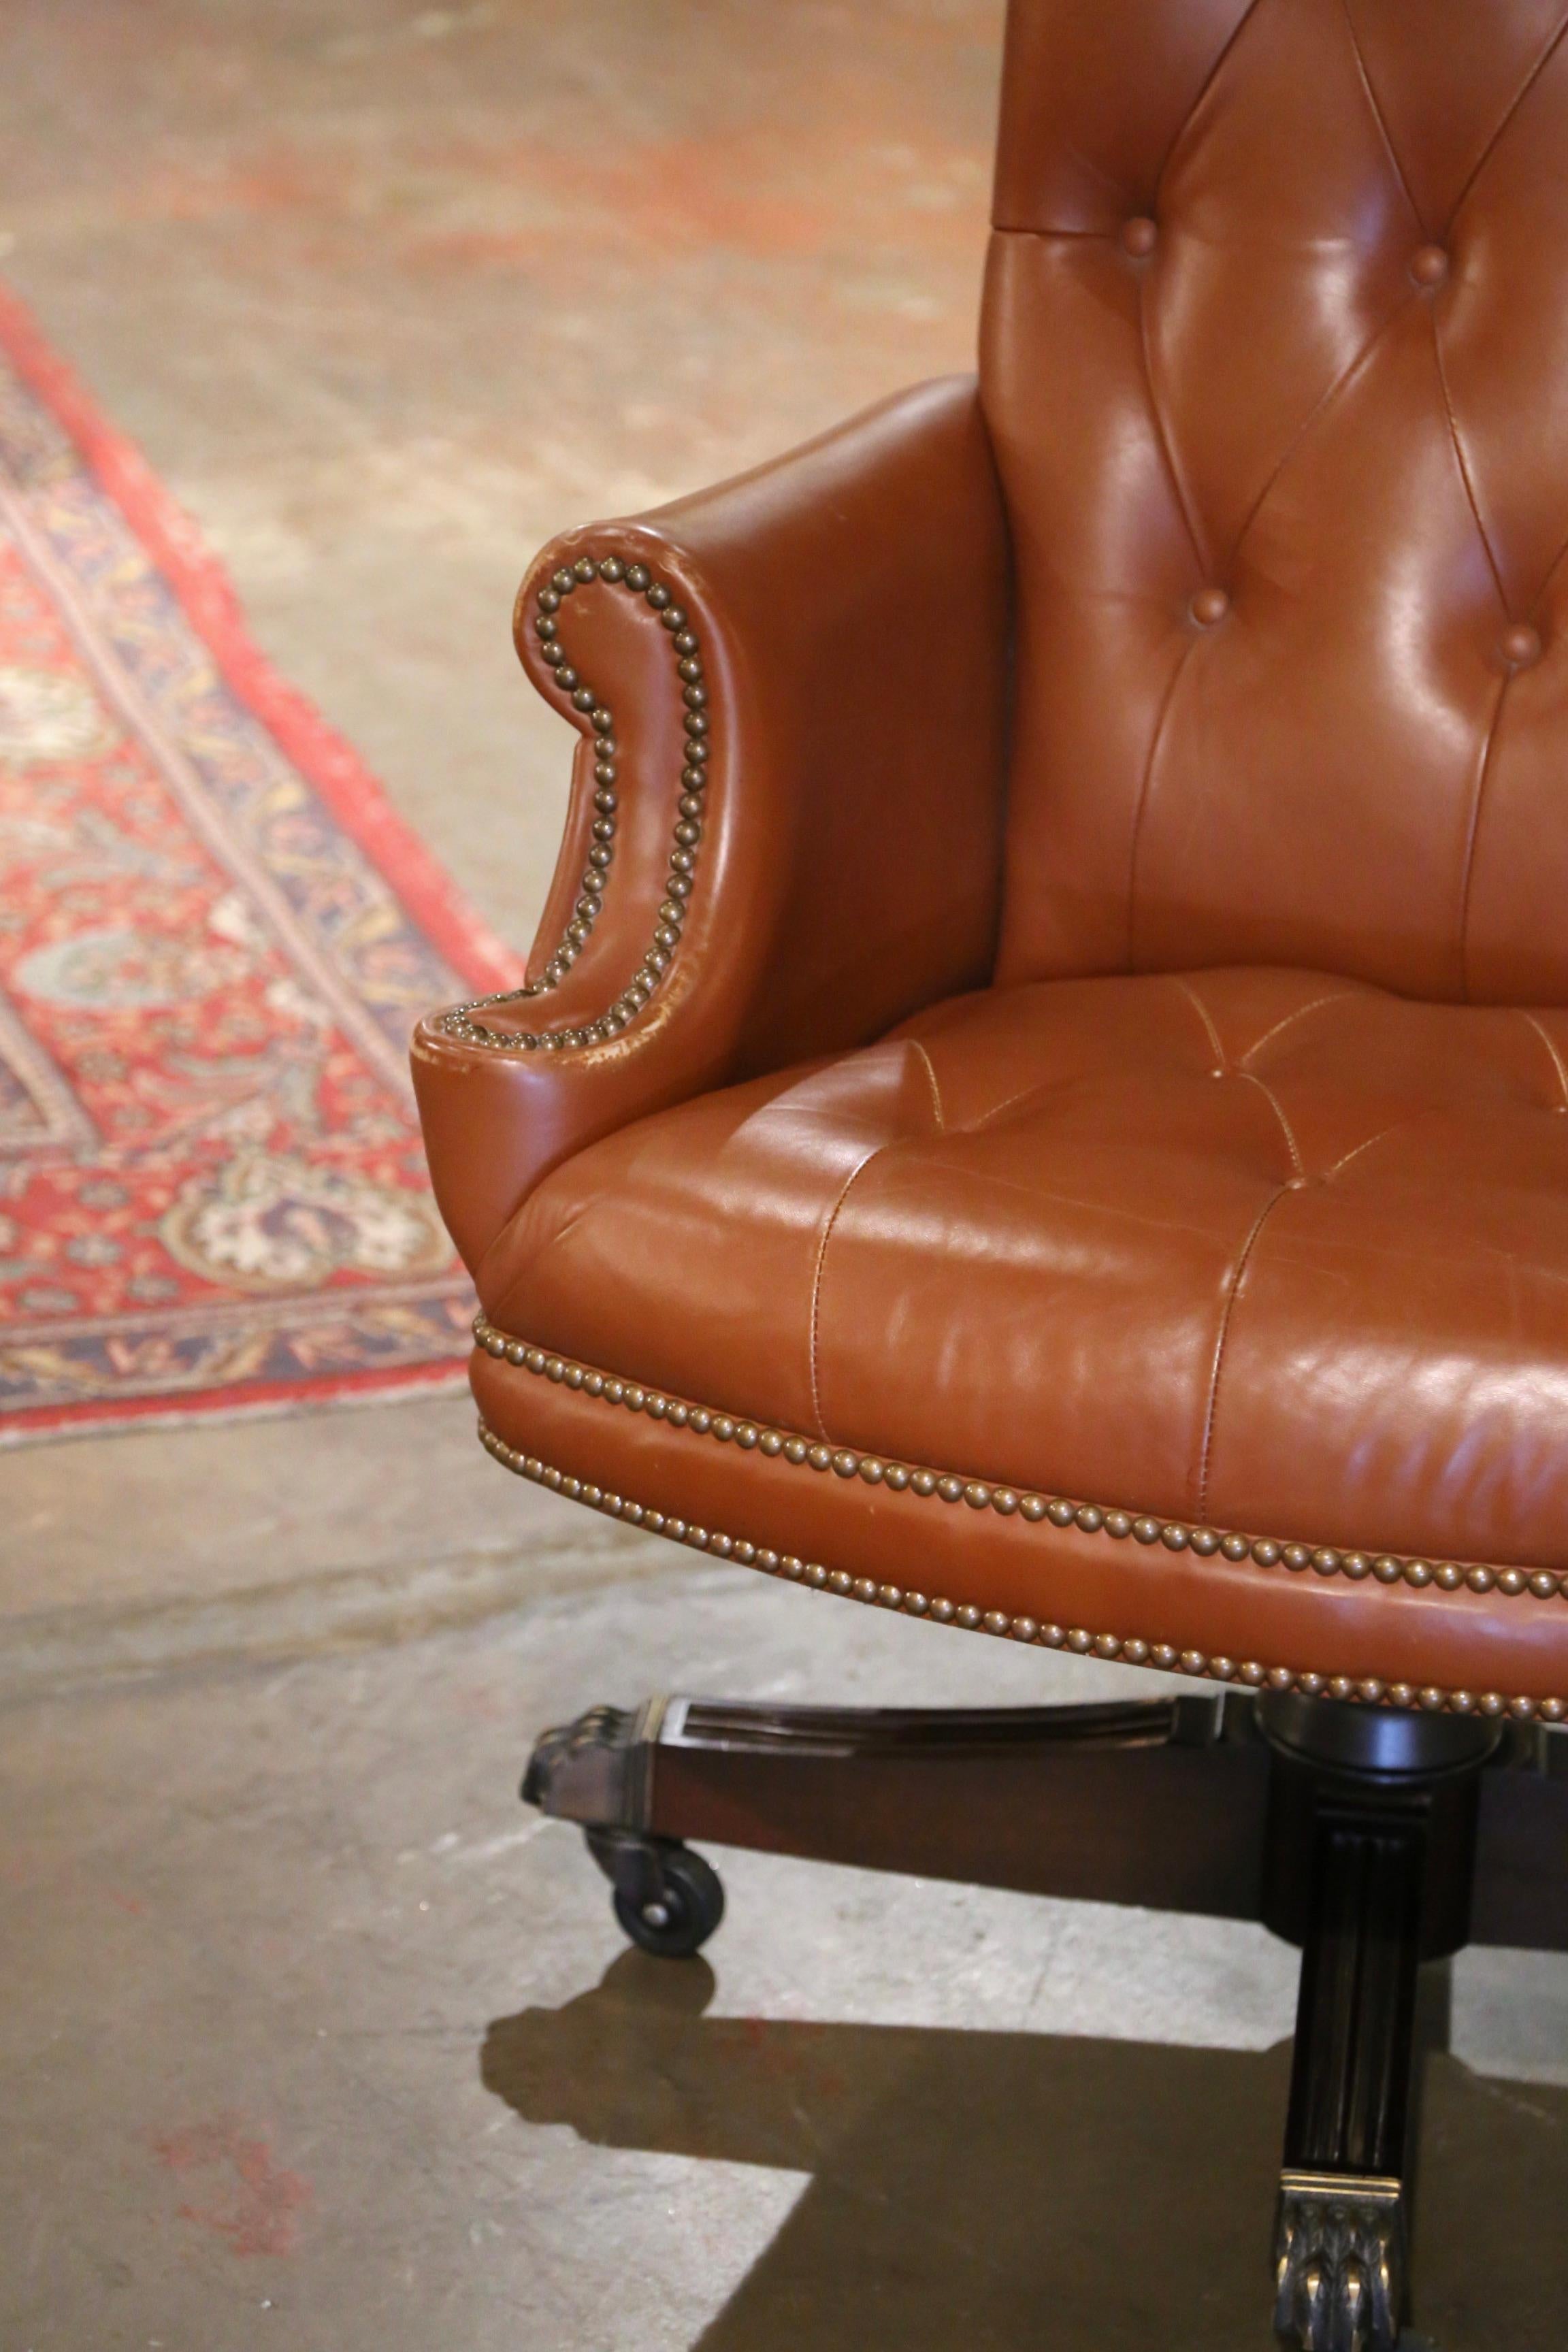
{"points": [[313, 2039]]}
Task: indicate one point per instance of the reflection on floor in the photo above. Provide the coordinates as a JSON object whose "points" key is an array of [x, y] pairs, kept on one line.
{"points": [[314, 2038]]}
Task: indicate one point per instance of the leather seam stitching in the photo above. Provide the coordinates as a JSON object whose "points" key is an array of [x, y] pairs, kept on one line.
{"points": [[1196, 1001], [1381, 1137], [1209, 79], [1463, 464], [1490, 150], [1375, 103], [930, 1068], [1472, 834], [1278, 1109], [846, 1188], [1557, 1062], [1233, 1293], [1145, 786], [1334, 996]]}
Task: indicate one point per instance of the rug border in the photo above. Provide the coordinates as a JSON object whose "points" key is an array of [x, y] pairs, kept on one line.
{"points": [[358, 803], [326, 759]]}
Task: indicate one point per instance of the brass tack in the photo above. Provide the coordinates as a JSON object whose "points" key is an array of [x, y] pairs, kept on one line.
{"points": [[585, 569], [871, 1469], [724, 1428], [814, 1575], [795, 1449], [770, 1441], [977, 1495], [996, 1620], [637, 576], [574, 1376], [1136, 1653], [896, 1476], [1061, 1512], [1204, 1541], [1089, 1517], [1147, 1531], [840, 1579], [1280, 1678], [1105, 1645], [1223, 1669], [1253, 1673], [1117, 1524], [1401, 1694], [1550, 1710], [1369, 1689], [1327, 1561], [658, 1408], [612, 568], [1234, 1547], [554, 1369], [1387, 1570], [942, 1611], [1449, 1577], [745, 1552], [924, 1481], [845, 1464], [1163, 1656], [1193, 1662], [769, 1561], [1462, 1702], [1510, 1581], [1431, 1698], [1079, 1640], [1023, 1629], [1355, 1565], [1297, 1556], [636, 1398], [969, 1616], [1342, 1687], [865, 1588], [1416, 1572], [820, 1457], [1491, 1703], [1050, 1637], [951, 1489], [1521, 1707], [916, 1603], [890, 1596], [698, 1418], [1545, 1586], [1174, 1537], [1033, 1507], [1311, 1684], [1265, 1554]]}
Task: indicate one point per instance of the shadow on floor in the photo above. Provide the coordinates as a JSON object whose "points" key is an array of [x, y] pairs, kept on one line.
{"points": [[1008, 2190]]}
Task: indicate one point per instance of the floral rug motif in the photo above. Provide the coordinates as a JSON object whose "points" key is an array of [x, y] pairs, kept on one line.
{"points": [[214, 936]]}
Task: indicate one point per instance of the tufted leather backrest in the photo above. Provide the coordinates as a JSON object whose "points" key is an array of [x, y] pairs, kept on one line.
{"points": [[1275, 359]]}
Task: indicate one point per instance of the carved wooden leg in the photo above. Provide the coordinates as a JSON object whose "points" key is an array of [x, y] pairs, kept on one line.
{"points": [[1340, 2253]]}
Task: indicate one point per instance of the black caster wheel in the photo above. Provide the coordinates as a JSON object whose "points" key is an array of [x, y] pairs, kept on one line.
{"points": [[674, 1917]]}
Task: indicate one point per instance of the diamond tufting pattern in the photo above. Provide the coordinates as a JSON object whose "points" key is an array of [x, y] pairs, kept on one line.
{"points": [[1325, 376]]}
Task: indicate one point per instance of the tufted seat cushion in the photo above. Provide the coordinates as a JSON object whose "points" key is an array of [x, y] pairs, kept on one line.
{"points": [[1254, 1249]]}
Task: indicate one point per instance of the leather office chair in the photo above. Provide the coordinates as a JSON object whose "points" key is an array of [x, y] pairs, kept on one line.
{"points": [[1040, 1101]]}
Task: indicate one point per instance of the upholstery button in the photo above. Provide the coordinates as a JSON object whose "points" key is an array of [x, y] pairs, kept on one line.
{"points": [[1428, 264], [1139, 238], [1209, 606], [1519, 646]]}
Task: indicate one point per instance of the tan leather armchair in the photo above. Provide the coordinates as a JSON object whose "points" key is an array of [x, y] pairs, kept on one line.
{"points": [[1040, 1100]]}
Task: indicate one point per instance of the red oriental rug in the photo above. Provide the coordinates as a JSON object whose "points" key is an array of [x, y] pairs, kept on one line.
{"points": [[215, 935]]}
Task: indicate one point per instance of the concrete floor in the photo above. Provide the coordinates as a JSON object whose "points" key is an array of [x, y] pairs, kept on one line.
{"points": [[311, 2037]]}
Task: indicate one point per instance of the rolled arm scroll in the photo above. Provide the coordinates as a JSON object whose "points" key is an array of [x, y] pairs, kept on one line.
{"points": [[786, 819]]}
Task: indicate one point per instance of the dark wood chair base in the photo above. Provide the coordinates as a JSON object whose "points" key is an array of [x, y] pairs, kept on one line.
{"points": [[1378, 1843]]}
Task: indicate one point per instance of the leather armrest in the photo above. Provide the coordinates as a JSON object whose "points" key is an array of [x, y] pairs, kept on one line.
{"points": [[792, 696]]}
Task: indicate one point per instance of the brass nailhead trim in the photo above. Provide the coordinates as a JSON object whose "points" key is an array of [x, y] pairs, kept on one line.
{"points": [[688, 832], [1092, 1518], [1130, 1649]]}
